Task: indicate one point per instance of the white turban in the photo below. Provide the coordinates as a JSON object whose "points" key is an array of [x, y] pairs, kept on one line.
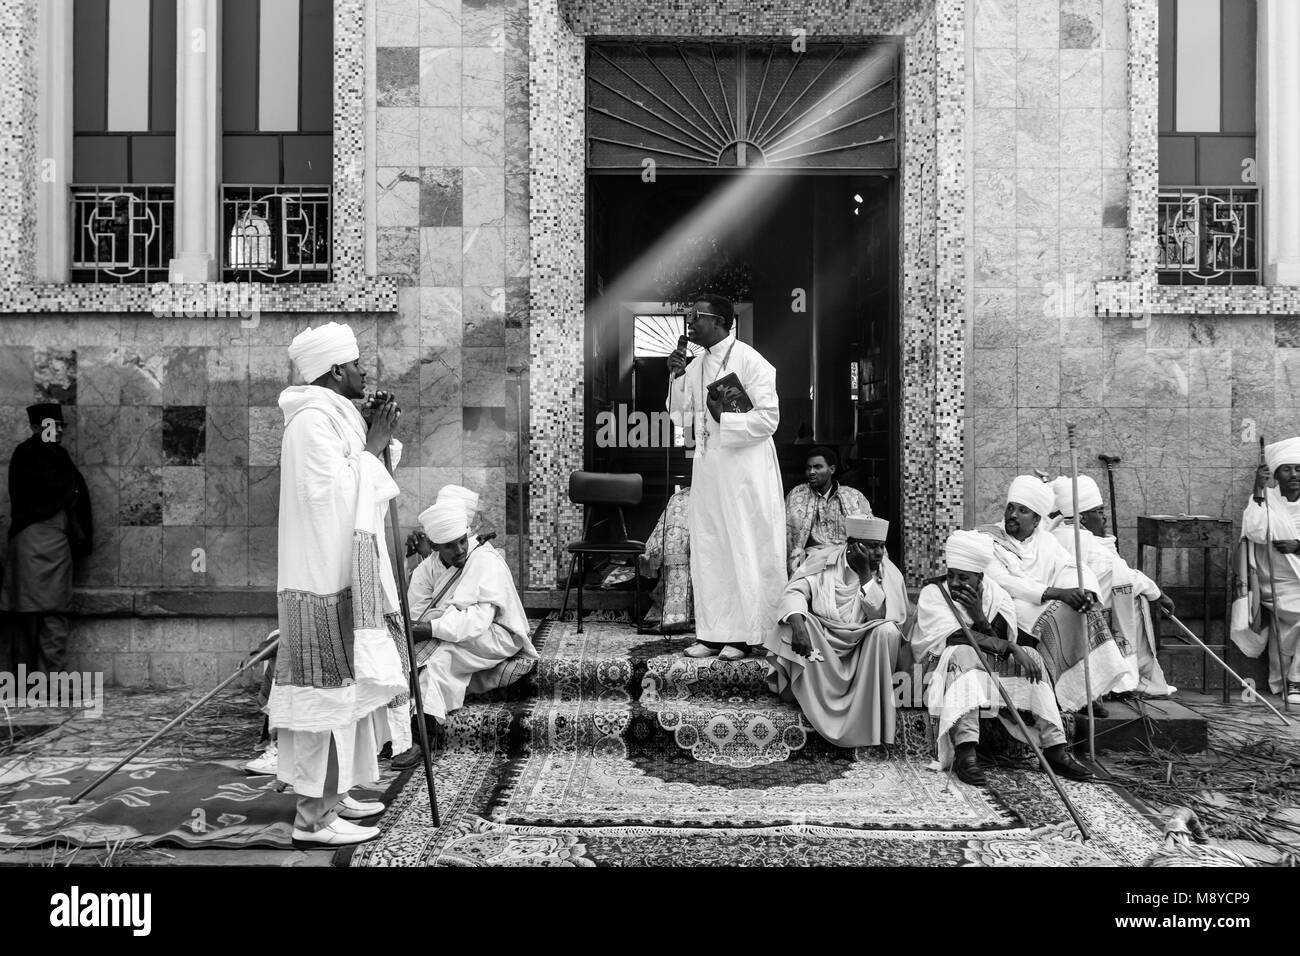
{"points": [[1089, 495], [1281, 453], [1034, 493], [968, 551], [445, 522], [458, 493], [866, 528], [315, 351]]}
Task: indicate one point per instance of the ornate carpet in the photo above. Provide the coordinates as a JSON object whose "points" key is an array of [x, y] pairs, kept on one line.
{"points": [[618, 751]]}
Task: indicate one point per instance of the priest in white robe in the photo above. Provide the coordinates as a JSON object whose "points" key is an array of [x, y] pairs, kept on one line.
{"points": [[958, 689], [1126, 594], [1271, 522], [737, 511], [844, 611], [338, 663], [1063, 619], [467, 618]]}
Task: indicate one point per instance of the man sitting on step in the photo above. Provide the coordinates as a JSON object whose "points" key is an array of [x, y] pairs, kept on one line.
{"points": [[1124, 591], [845, 610], [468, 622], [957, 687], [1058, 616]]}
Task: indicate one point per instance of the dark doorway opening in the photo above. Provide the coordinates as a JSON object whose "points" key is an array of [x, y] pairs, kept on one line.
{"points": [[812, 261]]}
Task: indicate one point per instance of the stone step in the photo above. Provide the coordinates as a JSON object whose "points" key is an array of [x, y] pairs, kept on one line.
{"points": [[1145, 724]]}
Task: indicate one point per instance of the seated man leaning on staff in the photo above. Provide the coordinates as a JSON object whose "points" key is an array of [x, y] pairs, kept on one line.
{"points": [[846, 608], [467, 619], [1062, 620], [1125, 592], [816, 510], [958, 687]]}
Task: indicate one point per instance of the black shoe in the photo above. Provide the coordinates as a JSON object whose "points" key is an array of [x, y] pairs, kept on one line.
{"points": [[387, 751], [1066, 766], [408, 758], [1098, 710], [968, 768]]}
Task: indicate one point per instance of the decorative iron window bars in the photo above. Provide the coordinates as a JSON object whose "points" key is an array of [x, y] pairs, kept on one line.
{"points": [[1209, 235], [720, 105], [122, 233], [276, 233]]}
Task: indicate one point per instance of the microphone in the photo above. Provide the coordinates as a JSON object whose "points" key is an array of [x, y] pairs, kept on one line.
{"points": [[682, 342]]}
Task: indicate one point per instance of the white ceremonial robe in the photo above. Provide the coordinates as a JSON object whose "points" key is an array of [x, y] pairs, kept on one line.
{"points": [[1127, 593], [953, 691], [1025, 569], [1280, 521], [338, 665], [478, 624], [737, 511]]}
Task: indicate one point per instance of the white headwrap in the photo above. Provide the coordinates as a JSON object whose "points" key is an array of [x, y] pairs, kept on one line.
{"points": [[1089, 495], [1034, 493], [459, 493], [866, 528], [315, 351], [968, 551], [445, 522], [1286, 452]]}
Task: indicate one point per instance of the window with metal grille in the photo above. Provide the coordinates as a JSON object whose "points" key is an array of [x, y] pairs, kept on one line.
{"points": [[123, 140], [277, 140], [1210, 227], [696, 106]]}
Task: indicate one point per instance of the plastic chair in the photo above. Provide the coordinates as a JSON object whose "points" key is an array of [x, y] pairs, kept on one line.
{"points": [[607, 493]]}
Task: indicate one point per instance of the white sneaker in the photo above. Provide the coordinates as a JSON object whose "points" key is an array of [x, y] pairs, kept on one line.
{"points": [[1292, 692], [354, 809], [268, 763], [700, 650], [338, 833]]}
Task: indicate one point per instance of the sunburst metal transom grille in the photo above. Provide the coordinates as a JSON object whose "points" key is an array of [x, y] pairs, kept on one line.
{"points": [[723, 105]]}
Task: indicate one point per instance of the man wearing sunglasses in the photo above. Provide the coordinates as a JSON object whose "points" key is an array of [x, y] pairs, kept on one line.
{"points": [[737, 511]]}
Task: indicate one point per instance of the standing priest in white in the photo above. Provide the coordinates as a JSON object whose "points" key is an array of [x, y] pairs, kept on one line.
{"points": [[737, 511], [467, 615], [338, 665], [1272, 520]]}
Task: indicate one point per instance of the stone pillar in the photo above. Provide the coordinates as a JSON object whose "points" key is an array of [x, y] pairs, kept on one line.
{"points": [[19, 167], [1279, 138], [54, 139], [198, 127]]}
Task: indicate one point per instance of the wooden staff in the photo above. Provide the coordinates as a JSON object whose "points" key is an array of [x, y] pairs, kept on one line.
{"points": [[1272, 586], [1218, 660], [264, 652], [399, 569], [1078, 561], [1084, 832]]}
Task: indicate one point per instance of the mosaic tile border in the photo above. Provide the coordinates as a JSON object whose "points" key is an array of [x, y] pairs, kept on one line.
{"points": [[1140, 293], [934, 219], [352, 290]]}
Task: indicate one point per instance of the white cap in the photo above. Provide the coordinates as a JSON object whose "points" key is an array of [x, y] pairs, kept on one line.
{"points": [[315, 351], [445, 522], [1032, 492]]}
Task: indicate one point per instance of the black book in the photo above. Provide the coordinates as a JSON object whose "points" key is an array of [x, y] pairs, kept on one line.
{"points": [[731, 393]]}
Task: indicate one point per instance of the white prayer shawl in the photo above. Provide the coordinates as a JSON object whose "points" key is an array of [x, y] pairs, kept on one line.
{"points": [[737, 511], [338, 660], [1127, 593], [1280, 521], [949, 700], [477, 625], [1026, 568]]}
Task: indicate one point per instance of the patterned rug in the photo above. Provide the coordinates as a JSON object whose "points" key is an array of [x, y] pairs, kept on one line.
{"points": [[622, 752], [147, 803]]}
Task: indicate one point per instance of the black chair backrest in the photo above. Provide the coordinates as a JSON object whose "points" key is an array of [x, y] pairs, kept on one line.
{"points": [[604, 488]]}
